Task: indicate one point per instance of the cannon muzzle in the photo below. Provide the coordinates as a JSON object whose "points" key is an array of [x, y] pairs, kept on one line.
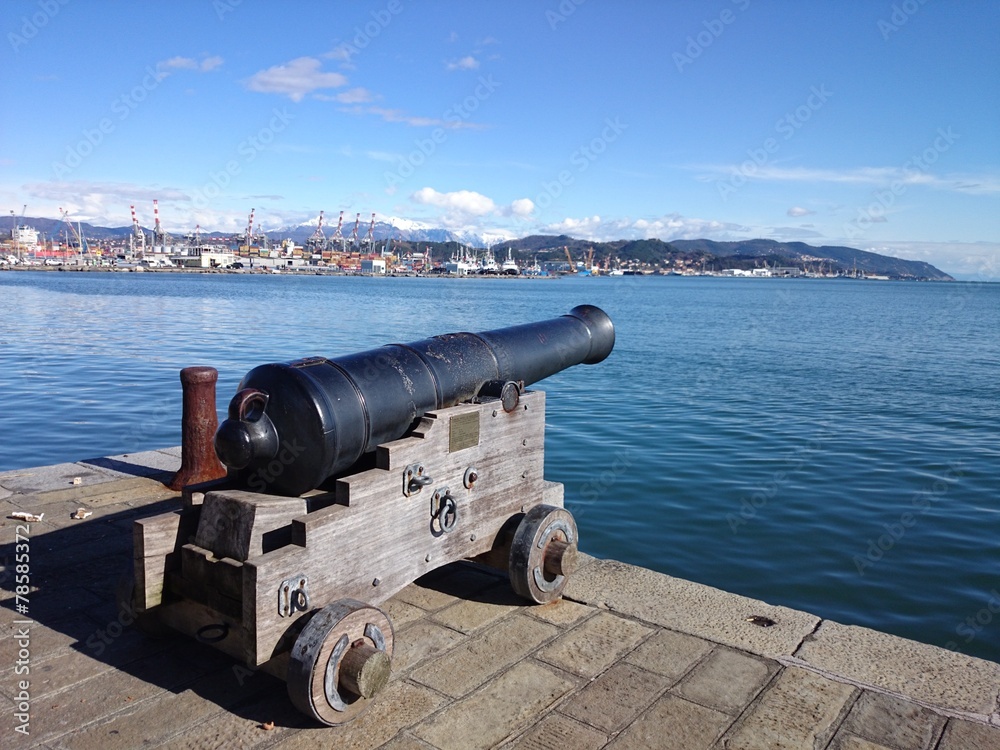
{"points": [[294, 425]]}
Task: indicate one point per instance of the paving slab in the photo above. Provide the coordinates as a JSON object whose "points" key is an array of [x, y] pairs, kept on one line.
{"points": [[799, 709], [594, 645], [480, 609], [615, 698], [562, 612], [261, 722], [690, 607], [422, 640], [965, 735], [853, 742], [166, 716], [894, 722], [405, 742], [402, 705], [156, 464], [917, 671], [558, 732], [726, 680], [475, 660], [673, 723], [503, 706], [55, 477], [670, 653]]}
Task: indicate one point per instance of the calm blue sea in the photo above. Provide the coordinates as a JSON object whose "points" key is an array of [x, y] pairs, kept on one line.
{"points": [[832, 446]]}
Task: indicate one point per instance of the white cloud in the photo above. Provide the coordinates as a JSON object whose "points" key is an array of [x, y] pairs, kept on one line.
{"points": [[418, 121], [668, 227], [465, 202], [960, 183], [386, 156], [677, 227], [295, 79], [342, 53], [101, 203], [210, 63], [522, 207], [587, 228], [189, 63], [799, 211], [356, 95], [465, 63], [179, 63]]}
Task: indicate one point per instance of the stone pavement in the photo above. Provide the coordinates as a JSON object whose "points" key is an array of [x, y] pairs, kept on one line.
{"points": [[629, 659]]}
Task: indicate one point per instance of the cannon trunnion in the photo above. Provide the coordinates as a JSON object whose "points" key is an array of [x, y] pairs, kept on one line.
{"points": [[292, 585]]}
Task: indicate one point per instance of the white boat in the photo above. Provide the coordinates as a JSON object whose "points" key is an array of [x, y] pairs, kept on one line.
{"points": [[509, 267]]}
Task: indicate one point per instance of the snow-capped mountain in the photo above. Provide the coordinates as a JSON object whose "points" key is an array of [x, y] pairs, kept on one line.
{"points": [[396, 228]]}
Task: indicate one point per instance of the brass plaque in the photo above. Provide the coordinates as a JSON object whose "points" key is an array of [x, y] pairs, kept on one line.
{"points": [[464, 431]]}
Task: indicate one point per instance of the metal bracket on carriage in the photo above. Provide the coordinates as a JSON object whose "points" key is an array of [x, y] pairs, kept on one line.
{"points": [[415, 478], [444, 511], [293, 596]]}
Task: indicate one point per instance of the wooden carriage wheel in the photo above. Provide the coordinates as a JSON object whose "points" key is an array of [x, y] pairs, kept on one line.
{"points": [[543, 553], [340, 661]]}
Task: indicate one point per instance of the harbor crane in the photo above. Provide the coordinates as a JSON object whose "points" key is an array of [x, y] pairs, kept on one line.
{"points": [[354, 235], [159, 236], [317, 242], [338, 237], [569, 259], [78, 236], [137, 240], [249, 237], [369, 240]]}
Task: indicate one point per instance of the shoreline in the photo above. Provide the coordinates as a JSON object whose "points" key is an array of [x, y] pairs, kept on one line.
{"points": [[314, 271]]}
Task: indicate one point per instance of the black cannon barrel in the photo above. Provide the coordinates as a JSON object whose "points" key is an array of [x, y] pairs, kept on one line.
{"points": [[294, 425]]}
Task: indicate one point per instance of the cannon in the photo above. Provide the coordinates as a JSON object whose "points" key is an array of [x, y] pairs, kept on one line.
{"points": [[349, 478], [318, 417]]}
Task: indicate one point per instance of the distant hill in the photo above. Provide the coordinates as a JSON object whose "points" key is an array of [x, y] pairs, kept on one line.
{"points": [[712, 255], [846, 258]]}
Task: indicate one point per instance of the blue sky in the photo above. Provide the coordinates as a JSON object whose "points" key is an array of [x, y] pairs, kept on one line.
{"points": [[871, 124]]}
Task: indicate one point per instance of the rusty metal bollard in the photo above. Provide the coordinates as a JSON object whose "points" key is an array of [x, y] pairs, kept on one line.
{"points": [[198, 425]]}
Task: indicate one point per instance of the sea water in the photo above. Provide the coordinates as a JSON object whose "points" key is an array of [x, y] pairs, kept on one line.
{"points": [[828, 445]]}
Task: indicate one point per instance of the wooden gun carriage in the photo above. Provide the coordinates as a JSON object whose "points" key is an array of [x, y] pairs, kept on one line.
{"points": [[288, 578]]}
